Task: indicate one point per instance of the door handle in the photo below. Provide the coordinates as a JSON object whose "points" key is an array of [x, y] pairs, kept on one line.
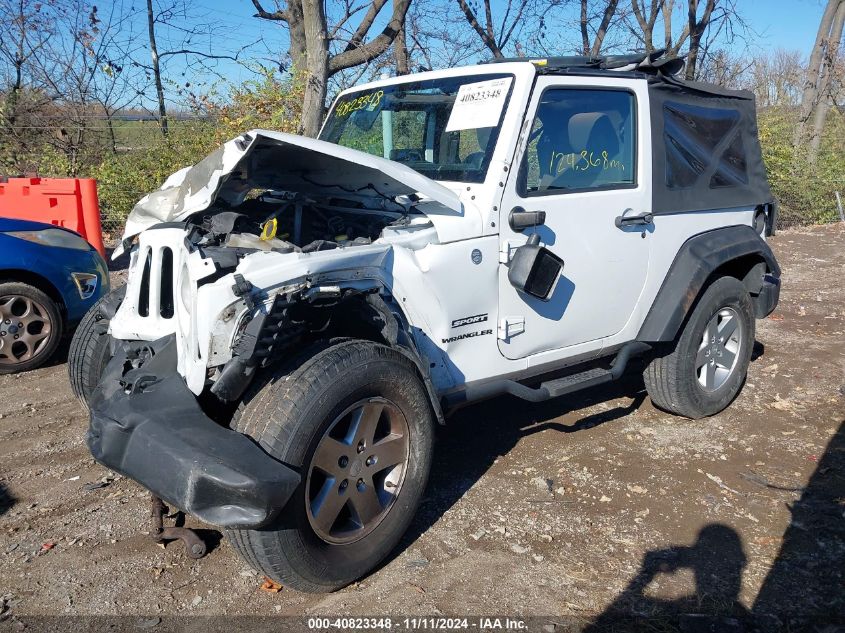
{"points": [[520, 219], [623, 220]]}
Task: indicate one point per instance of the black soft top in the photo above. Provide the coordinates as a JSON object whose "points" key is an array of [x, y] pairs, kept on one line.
{"points": [[705, 149]]}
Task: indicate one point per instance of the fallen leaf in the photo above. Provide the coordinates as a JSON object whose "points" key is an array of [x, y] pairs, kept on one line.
{"points": [[270, 586]]}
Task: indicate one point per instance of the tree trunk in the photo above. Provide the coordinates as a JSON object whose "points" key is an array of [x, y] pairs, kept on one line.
{"points": [[162, 110], [298, 45], [609, 10], [400, 50], [585, 35], [810, 95], [112, 137], [314, 25], [824, 96], [696, 29]]}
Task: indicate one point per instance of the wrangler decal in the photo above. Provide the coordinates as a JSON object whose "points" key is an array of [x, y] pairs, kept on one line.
{"points": [[459, 337]]}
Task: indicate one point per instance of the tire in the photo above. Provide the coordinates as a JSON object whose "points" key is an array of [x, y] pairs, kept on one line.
{"points": [[90, 348], [678, 383], [295, 415], [30, 327]]}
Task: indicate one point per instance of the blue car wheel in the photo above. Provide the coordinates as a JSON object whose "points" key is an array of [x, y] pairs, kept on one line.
{"points": [[30, 327]]}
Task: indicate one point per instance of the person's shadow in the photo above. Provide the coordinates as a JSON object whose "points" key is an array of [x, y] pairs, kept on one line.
{"points": [[716, 559], [803, 591], [7, 501]]}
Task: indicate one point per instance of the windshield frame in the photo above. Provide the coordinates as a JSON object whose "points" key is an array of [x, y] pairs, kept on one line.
{"points": [[463, 76]]}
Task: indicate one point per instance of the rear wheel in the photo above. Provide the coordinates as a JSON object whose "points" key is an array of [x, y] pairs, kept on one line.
{"points": [[30, 327], [355, 421], [90, 349], [706, 369]]}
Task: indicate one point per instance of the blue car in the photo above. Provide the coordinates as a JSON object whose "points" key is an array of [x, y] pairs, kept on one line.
{"points": [[49, 278]]}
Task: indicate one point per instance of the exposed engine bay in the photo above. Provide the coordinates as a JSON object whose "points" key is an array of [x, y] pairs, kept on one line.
{"points": [[285, 222]]}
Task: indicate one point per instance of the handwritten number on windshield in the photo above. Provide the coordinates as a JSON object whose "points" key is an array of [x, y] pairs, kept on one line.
{"points": [[368, 101]]}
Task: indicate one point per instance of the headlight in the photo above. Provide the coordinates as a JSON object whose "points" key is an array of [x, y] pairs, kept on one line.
{"points": [[53, 237], [86, 284]]}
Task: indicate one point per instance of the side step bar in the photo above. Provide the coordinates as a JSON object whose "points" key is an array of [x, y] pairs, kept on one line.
{"points": [[552, 388]]}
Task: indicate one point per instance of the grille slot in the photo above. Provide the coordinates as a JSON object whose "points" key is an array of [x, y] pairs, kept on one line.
{"points": [[144, 293], [156, 292], [166, 304]]}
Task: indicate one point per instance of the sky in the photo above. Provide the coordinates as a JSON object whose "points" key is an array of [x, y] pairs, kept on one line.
{"points": [[788, 24]]}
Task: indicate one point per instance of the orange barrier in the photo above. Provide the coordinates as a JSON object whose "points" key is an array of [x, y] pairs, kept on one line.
{"points": [[68, 202]]}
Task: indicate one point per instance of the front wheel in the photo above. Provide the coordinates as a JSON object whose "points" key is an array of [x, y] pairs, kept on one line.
{"points": [[90, 348], [706, 369], [355, 421]]}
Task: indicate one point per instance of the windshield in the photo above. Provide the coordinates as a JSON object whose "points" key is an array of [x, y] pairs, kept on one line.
{"points": [[446, 129]]}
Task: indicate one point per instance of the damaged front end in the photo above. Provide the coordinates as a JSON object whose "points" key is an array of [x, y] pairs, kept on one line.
{"points": [[270, 243]]}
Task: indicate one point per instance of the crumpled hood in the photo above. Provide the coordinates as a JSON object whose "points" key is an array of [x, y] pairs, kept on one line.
{"points": [[276, 160]]}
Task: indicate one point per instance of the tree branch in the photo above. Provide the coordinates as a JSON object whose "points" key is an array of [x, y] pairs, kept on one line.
{"points": [[374, 48], [482, 33], [365, 25], [279, 14]]}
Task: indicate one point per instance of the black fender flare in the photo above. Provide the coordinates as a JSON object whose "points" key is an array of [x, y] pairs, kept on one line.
{"points": [[397, 333], [697, 259]]}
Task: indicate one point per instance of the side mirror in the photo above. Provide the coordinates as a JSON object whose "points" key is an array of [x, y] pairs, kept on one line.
{"points": [[534, 269]]}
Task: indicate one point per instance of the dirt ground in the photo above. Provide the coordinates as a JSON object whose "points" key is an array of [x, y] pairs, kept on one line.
{"points": [[577, 511]]}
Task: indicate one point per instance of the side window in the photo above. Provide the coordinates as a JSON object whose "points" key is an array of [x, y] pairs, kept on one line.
{"points": [[580, 139]]}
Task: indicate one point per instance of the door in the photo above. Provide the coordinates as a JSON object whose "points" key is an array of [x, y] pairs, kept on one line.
{"points": [[585, 163]]}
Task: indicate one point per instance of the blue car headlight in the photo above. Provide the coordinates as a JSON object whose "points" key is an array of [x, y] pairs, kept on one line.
{"points": [[53, 237]]}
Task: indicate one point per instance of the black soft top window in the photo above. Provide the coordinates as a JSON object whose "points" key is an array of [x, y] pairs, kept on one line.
{"points": [[705, 150], [701, 140]]}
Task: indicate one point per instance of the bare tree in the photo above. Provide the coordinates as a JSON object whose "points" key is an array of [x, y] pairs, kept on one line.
{"points": [[696, 27], [156, 68], [607, 12], [179, 18], [438, 36], [777, 79], [401, 57], [318, 51], [647, 14], [707, 33], [816, 96], [25, 29], [496, 34]]}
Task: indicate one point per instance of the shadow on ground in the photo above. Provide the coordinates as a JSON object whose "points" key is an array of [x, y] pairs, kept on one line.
{"points": [[476, 436], [7, 501], [803, 591]]}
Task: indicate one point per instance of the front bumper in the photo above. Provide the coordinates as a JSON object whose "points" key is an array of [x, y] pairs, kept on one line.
{"points": [[147, 425]]}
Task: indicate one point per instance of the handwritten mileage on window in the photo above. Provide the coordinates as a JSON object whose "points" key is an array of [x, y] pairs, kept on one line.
{"points": [[369, 102], [585, 160]]}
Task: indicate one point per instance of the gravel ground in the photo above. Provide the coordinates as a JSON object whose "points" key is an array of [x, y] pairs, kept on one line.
{"points": [[576, 511]]}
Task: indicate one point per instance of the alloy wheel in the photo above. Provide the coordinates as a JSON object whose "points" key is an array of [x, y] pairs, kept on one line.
{"points": [[25, 329], [357, 471], [718, 352]]}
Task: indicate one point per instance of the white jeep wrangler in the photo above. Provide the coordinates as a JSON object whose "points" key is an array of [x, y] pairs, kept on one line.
{"points": [[300, 313]]}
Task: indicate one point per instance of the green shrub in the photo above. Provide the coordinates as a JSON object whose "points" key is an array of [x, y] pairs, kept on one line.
{"points": [[124, 178], [805, 191]]}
